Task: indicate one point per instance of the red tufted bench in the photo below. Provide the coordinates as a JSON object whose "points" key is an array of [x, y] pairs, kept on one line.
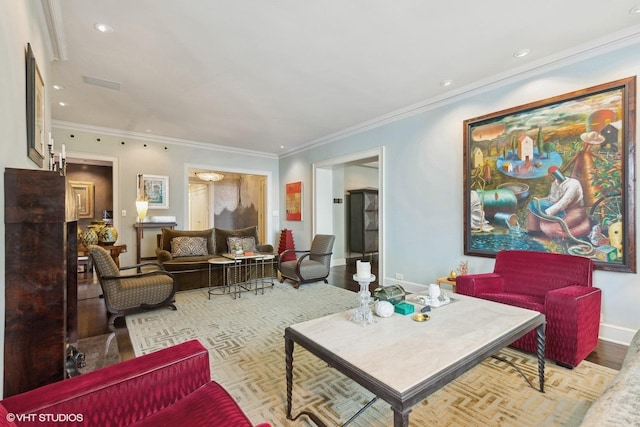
{"points": [[168, 387], [559, 286]]}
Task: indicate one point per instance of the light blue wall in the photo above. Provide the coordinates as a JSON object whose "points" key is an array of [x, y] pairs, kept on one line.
{"points": [[424, 178]]}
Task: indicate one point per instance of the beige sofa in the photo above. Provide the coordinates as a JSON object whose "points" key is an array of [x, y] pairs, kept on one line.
{"points": [[619, 405], [191, 270]]}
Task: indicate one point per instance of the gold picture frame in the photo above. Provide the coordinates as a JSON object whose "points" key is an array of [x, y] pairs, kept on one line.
{"points": [[556, 175], [84, 192], [35, 110]]}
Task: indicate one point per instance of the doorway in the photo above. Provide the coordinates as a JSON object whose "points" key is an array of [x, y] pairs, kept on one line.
{"points": [[331, 181], [102, 172], [233, 200]]}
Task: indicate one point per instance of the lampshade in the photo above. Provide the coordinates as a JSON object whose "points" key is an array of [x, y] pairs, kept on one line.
{"points": [[209, 176], [141, 208]]}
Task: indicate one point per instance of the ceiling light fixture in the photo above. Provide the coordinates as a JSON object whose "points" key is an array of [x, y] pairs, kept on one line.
{"points": [[58, 87], [209, 176], [522, 53], [446, 83], [103, 28], [635, 9], [62, 104]]}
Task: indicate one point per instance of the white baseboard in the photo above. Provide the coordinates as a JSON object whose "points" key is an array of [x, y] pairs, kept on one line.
{"points": [[616, 334], [339, 261], [610, 333]]}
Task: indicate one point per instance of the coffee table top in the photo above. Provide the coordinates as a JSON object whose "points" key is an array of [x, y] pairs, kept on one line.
{"points": [[401, 355]]}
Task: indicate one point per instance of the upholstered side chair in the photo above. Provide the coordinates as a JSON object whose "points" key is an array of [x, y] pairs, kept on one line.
{"points": [[129, 293], [310, 265]]}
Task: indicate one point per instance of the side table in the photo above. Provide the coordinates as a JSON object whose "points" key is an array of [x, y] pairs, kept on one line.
{"points": [[224, 263], [114, 251], [447, 281]]}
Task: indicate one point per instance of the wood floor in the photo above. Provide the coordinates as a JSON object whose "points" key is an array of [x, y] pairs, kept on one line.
{"points": [[92, 317]]}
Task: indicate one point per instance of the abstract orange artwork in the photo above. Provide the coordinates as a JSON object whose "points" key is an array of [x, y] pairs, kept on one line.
{"points": [[294, 201]]}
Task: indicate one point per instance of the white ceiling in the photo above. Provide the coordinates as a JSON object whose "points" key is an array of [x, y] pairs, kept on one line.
{"points": [[258, 75]]}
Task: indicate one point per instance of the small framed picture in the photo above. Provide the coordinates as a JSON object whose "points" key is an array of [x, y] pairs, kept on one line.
{"points": [[156, 190], [84, 192]]}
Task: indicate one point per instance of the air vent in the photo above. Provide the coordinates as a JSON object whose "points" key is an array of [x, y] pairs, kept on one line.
{"points": [[102, 83]]}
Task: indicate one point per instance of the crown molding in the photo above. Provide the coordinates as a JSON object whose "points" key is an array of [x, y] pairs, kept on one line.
{"points": [[57, 39], [78, 127]]}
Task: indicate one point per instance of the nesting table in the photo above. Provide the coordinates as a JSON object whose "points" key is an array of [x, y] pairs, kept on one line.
{"points": [[242, 273]]}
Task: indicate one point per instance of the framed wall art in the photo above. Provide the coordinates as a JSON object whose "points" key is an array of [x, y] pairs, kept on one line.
{"points": [[84, 192], [35, 110], [156, 190], [557, 175], [294, 201]]}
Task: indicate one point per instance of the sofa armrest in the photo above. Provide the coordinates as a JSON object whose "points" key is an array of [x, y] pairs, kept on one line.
{"points": [[163, 256], [265, 249], [475, 284], [124, 393], [573, 319]]}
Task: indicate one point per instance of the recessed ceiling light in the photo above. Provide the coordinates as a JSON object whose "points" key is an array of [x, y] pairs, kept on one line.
{"points": [[282, 147], [635, 9], [58, 87], [103, 28], [446, 83], [62, 104], [522, 53]]}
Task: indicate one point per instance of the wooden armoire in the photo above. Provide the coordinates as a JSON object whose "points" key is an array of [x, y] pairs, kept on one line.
{"points": [[363, 220], [40, 278]]}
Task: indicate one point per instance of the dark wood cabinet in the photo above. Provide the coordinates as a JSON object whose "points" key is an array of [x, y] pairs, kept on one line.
{"points": [[363, 221], [40, 278]]}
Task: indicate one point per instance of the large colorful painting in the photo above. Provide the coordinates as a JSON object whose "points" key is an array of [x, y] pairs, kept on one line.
{"points": [[555, 176]]}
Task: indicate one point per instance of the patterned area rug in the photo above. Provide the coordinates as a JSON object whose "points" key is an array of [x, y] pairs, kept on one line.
{"points": [[246, 347]]}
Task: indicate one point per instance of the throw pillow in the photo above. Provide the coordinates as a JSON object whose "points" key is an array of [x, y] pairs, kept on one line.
{"points": [[248, 244], [188, 246]]}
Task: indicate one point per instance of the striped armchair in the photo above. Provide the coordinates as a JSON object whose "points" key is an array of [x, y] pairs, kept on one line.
{"points": [[309, 266], [128, 293]]}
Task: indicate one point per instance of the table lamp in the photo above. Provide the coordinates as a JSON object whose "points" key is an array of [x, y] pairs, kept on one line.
{"points": [[141, 208]]}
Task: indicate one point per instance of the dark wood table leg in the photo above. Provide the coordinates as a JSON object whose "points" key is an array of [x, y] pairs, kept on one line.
{"points": [[288, 349], [540, 340], [400, 419]]}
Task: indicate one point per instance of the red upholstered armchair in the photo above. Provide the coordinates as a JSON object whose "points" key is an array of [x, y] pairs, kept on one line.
{"points": [[559, 286], [170, 387]]}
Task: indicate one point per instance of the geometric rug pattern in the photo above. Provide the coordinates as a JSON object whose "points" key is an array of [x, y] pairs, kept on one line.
{"points": [[246, 347]]}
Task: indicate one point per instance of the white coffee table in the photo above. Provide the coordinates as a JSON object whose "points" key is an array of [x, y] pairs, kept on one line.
{"points": [[423, 356]]}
